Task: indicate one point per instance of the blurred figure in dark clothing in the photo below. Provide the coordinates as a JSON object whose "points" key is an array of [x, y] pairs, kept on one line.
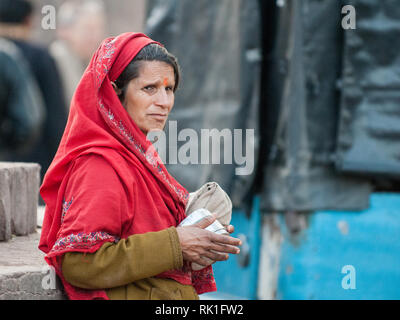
{"points": [[21, 106], [15, 25]]}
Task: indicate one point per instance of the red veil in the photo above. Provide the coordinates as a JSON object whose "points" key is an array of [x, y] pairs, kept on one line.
{"points": [[124, 189]]}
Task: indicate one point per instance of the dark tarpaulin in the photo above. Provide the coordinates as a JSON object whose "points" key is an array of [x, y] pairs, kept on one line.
{"points": [[369, 129], [218, 47], [304, 63], [324, 102]]}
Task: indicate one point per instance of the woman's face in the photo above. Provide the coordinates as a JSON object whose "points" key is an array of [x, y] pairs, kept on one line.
{"points": [[149, 98]]}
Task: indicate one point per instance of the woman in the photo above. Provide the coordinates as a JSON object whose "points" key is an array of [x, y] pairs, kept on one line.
{"points": [[112, 210]]}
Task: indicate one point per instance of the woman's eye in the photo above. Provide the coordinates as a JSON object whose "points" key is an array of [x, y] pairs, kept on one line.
{"points": [[149, 88]]}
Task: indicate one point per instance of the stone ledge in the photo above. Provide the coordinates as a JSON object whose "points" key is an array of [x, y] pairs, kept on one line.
{"points": [[26, 284], [23, 272]]}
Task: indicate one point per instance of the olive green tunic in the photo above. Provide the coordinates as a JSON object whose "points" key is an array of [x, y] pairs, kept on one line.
{"points": [[127, 269]]}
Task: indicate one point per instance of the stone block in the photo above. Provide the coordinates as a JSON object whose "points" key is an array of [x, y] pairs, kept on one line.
{"points": [[29, 283], [19, 190], [5, 205], [24, 274]]}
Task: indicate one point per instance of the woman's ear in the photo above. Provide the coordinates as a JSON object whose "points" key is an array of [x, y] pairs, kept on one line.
{"points": [[116, 89]]}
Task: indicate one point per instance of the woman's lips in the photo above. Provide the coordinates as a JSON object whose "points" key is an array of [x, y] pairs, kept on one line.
{"points": [[158, 116]]}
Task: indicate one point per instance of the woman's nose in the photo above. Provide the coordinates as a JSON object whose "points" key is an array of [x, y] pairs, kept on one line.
{"points": [[163, 99]]}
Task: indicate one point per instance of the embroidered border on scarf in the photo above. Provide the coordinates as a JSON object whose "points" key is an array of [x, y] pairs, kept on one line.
{"points": [[82, 240], [203, 280], [65, 207], [104, 61]]}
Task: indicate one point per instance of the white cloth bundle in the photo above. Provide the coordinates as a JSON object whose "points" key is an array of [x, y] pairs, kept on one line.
{"points": [[215, 200]]}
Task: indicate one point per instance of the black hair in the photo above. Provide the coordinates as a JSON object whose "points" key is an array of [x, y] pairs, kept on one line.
{"points": [[151, 52], [15, 11]]}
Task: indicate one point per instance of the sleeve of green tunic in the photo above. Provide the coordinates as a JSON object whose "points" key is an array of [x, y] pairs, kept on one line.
{"points": [[138, 257]]}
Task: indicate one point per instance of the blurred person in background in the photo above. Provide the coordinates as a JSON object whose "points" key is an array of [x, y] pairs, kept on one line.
{"points": [[81, 26], [16, 26], [21, 104]]}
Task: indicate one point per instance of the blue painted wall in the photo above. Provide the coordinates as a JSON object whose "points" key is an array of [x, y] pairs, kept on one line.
{"points": [[311, 264], [233, 280]]}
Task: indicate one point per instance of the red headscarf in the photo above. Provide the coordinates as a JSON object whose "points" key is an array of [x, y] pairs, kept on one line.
{"points": [[124, 189]]}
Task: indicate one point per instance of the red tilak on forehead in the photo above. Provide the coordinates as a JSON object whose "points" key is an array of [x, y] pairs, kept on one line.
{"points": [[165, 82]]}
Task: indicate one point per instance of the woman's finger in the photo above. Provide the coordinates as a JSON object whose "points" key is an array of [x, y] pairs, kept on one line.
{"points": [[203, 261], [230, 228], [225, 248], [219, 238], [216, 256]]}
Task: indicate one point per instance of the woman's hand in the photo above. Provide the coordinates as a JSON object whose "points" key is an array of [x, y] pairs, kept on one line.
{"points": [[230, 228], [198, 244]]}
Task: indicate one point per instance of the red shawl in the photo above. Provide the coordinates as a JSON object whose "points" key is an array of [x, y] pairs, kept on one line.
{"points": [[106, 182]]}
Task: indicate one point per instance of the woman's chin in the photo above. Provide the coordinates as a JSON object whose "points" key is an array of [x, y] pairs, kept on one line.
{"points": [[157, 125], [154, 128]]}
